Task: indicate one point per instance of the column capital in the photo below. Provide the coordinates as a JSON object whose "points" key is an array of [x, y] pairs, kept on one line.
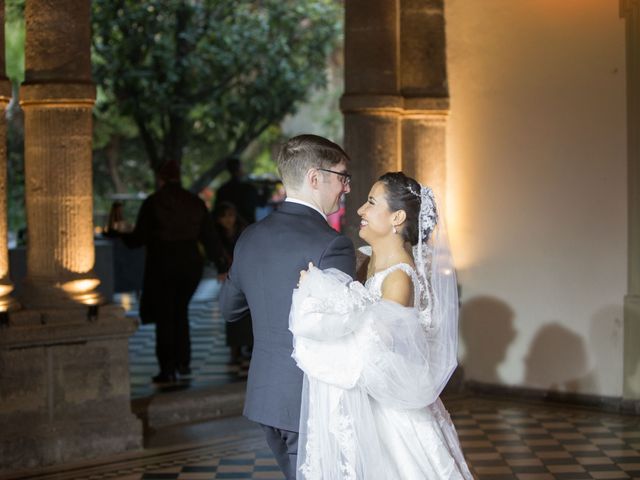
{"points": [[357, 103], [57, 93], [394, 104], [430, 105]]}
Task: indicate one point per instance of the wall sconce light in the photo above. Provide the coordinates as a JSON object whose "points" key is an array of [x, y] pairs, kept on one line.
{"points": [[92, 313]]}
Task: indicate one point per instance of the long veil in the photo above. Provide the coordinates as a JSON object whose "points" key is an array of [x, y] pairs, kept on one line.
{"points": [[440, 316]]}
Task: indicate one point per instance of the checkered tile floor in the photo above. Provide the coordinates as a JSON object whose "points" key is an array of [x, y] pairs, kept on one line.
{"points": [[500, 439], [209, 352], [510, 440], [258, 465]]}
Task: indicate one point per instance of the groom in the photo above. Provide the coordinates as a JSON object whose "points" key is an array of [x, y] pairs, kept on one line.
{"points": [[266, 266]]}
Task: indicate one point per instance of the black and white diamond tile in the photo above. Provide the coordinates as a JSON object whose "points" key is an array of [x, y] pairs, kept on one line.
{"points": [[209, 357]]}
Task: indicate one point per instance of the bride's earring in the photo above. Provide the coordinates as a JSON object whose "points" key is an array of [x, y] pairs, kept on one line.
{"points": [[395, 230]]}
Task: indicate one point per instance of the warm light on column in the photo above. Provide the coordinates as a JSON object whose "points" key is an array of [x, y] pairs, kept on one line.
{"points": [[57, 99], [83, 290], [60, 253]]}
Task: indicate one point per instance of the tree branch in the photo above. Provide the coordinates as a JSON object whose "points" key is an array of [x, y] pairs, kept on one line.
{"points": [[148, 141], [219, 166]]}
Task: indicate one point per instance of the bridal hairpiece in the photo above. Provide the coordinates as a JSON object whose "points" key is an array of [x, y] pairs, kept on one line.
{"points": [[423, 251], [428, 215]]}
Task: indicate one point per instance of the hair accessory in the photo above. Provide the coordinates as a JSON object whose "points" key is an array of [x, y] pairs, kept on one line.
{"points": [[411, 190], [423, 251]]}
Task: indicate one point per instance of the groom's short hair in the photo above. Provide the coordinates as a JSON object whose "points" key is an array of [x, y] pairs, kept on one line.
{"points": [[303, 152]]}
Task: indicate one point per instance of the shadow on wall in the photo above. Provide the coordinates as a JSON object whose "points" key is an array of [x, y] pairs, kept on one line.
{"points": [[606, 350], [558, 361], [486, 328]]}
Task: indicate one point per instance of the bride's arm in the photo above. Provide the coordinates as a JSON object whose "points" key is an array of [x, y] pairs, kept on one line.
{"points": [[398, 287], [325, 305]]}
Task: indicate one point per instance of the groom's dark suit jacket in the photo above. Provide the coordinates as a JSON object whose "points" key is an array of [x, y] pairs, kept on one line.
{"points": [[266, 267]]}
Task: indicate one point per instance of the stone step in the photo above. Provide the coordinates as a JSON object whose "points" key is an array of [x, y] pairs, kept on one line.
{"points": [[191, 405]]}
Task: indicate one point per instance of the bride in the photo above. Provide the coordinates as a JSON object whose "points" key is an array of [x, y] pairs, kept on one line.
{"points": [[377, 356]]}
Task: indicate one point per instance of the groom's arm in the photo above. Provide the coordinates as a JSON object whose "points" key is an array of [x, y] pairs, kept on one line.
{"points": [[233, 303], [339, 254], [232, 300]]}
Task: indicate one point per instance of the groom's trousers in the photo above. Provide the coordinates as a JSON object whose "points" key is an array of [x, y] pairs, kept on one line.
{"points": [[284, 445]]}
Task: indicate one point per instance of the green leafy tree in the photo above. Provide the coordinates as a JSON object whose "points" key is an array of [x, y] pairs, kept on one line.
{"points": [[198, 80]]}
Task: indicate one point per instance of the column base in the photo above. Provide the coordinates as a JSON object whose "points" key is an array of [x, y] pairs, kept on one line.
{"points": [[631, 380], [70, 294], [64, 387]]}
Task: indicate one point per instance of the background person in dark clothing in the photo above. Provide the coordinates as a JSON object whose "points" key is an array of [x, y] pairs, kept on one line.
{"points": [[238, 192], [229, 227], [170, 224]]}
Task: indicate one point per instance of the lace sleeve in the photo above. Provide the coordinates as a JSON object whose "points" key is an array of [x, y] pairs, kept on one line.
{"points": [[325, 319], [324, 306]]}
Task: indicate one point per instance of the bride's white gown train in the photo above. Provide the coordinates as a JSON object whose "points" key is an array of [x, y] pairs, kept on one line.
{"points": [[373, 373]]}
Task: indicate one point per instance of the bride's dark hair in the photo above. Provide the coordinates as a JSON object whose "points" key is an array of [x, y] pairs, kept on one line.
{"points": [[403, 193]]}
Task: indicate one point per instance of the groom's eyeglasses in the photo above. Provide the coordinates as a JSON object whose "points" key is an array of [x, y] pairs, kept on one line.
{"points": [[345, 178]]}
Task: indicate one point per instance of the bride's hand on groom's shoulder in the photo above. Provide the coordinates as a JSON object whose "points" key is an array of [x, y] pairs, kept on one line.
{"points": [[304, 273]]}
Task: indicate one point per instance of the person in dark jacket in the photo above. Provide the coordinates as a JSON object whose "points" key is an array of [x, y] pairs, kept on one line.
{"points": [[238, 192], [171, 223], [229, 226]]}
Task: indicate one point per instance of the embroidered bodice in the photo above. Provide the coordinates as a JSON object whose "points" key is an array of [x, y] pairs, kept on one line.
{"points": [[374, 282]]}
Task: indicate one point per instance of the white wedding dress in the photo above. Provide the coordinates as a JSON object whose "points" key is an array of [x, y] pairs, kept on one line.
{"points": [[373, 373]]}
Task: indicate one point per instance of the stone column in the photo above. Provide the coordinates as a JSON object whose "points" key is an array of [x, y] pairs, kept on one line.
{"points": [[396, 100], [57, 98], [6, 287], [64, 367], [424, 89], [371, 104], [630, 11]]}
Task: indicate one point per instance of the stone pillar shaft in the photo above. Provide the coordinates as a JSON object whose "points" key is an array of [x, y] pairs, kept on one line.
{"points": [[424, 89], [57, 98], [372, 138], [371, 104], [396, 101]]}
